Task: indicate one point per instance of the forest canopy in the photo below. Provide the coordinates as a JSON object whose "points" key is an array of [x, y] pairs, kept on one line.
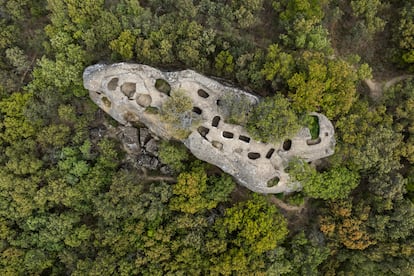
{"points": [[73, 201]]}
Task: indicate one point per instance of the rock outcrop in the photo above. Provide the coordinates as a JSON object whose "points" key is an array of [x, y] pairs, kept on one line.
{"points": [[129, 92]]}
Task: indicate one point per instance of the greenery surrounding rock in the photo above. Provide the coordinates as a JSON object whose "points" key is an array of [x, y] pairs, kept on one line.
{"points": [[173, 155], [272, 120], [72, 202], [334, 183]]}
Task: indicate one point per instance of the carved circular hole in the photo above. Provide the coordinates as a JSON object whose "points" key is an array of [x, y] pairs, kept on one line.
{"points": [[215, 121], [197, 110], [130, 117], [217, 145], [151, 110], [128, 89], [287, 144], [313, 142], [144, 100], [270, 153], [113, 84], [163, 86], [244, 138], [202, 93], [253, 155], [313, 126], [203, 131], [106, 102], [273, 182], [228, 135]]}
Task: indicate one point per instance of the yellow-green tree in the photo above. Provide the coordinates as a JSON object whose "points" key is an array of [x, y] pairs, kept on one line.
{"points": [[335, 183], [323, 84], [195, 192], [250, 229], [124, 44]]}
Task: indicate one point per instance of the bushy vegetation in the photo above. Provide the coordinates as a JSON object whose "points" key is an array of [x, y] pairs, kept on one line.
{"points": [[334, 183], [312, 122], [173, 155], [272, 120], [72, 204]]}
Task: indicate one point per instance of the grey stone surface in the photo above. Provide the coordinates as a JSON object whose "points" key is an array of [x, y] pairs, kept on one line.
{"points": [[144, 136], [129, 139], [148, 161], [125, 90], [152, 147]]}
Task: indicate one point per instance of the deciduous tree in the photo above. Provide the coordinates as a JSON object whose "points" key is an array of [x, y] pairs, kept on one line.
{"points": [[173, 155], [273, 120], [334, 183], [250, 229]]}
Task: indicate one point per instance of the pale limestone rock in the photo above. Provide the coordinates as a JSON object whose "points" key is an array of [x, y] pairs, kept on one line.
{"points": [[126, 90]]}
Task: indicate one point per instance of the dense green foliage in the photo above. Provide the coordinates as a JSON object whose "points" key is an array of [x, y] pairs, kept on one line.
{"points": [[273, 120], [173, 155], [312, 122], [334, 183], [404, 35], [72, 203]]}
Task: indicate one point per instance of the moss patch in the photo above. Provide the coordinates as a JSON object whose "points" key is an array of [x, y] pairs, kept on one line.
{"points": [[163, 86]]}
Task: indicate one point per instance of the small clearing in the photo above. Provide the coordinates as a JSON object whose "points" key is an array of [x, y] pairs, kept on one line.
{"points": [[377, 88]]}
